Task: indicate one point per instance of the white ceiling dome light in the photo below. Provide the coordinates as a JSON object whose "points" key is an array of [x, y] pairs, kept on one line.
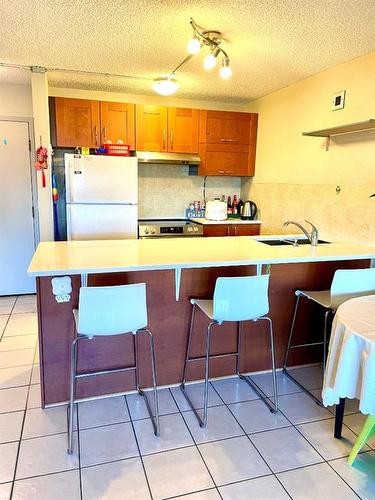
{"points": [[165, 86]]}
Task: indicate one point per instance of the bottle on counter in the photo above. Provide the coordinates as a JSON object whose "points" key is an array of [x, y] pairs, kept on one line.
{"points": [[239, 207], [235, 204], [229, 206]]}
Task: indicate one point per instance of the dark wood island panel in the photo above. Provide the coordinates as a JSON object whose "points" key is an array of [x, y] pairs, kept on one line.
{"points": [[168, 320]]}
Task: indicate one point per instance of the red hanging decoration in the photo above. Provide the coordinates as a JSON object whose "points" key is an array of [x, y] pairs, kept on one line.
{"points": [[42, 162]]}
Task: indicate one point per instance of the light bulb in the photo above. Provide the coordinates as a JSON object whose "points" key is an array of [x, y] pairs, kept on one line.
{"points": [[225, 70], [165, 86], [194, 46], [209, 62]]}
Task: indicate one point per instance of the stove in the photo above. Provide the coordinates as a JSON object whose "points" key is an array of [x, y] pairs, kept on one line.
{"points": [[168, 228]]}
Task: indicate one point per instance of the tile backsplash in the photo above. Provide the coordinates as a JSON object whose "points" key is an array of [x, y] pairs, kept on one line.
{"points": [[165, 191]]}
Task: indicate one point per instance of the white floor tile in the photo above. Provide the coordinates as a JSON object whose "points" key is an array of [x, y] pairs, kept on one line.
{"points": [[176, 472], [21, 357], [18, 342], [34, 399], [3, 321], [300, 408], [102, 412], [202, 495], [39, 422], [14, 377], [10, 426], [263, 488], [232, 460], [320, 435], [35, 377], [25, 304], [360, 476], [254, 416], [355, 423], [5, 490], [310, 377], [123, 480], [220, 425], [8, 457], [6, 304], [234, 390], [195, 393], [13, 399], [173, 434], [138, 409], [316, 482], [45, 455], [61, 486], [284, 384], [285, 449], [105, 444]]}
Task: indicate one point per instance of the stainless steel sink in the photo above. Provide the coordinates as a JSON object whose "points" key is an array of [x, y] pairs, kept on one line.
{"points": [[293, 242]]}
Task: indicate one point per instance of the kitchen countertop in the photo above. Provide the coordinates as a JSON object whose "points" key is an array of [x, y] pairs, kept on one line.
{"points": [[108, 256], [226, 221]]}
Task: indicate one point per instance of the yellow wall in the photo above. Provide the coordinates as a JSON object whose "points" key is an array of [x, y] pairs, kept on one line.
{"points": [[295, 177]]}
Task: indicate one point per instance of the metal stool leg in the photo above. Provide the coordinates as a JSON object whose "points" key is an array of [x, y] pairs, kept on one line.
{"points": [[273, 407], [202, 421], [73, 372], [291, 334], [154, 420]]}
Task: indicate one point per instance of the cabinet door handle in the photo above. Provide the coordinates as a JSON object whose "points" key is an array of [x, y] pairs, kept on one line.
{"points": [[96, 134], [171, 137], [228, 231], [104, 134], [235, 230], [221, 172], [164, 138], [223, 139]]}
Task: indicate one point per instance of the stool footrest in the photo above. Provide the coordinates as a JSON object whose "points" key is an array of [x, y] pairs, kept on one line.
{"points": [[306, 391], [200, 358], [104, 372], [310, 344], [263, 396]]}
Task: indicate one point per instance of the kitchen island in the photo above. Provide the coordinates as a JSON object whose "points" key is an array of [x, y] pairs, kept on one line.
{"points": [[174, 270]]}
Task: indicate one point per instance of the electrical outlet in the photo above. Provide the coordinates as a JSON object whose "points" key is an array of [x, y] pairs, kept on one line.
{"points": [[338, 100]]}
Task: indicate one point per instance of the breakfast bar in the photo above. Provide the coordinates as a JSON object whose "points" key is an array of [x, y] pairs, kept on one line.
{"points": [[174, 270]]}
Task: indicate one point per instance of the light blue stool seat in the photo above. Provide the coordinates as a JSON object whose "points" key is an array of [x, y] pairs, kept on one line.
{"points": [[235, 299], [105, 311]]}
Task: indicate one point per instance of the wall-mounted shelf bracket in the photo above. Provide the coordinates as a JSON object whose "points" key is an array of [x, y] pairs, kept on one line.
{"points": [[341, 129]]}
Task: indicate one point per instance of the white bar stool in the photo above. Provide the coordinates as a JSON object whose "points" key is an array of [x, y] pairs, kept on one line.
{"points": [[235, 299], [105, 311], [346, 284]]}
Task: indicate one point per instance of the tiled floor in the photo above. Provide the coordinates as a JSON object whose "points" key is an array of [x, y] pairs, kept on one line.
{"points": [[245, 451]]}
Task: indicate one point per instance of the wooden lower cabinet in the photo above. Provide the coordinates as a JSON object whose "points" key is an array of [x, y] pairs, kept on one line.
{"points": [[231, 229]]}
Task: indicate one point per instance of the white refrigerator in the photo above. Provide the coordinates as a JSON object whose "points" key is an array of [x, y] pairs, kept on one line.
{"points": [[101, 197]]}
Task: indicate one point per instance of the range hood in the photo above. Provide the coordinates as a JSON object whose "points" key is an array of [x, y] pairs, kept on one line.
{"points": [[168, 158]]}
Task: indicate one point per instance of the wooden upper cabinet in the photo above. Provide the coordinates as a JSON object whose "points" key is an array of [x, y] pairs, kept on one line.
{"points": [[77, 122], [183, 126], [117, 123], [227, 143], [151, 123]]}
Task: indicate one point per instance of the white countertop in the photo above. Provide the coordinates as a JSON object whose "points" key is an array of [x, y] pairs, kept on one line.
{"points": [[85, 257], [202, 220]]}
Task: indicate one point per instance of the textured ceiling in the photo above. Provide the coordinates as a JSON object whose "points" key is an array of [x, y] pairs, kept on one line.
{"points": [[271, 43]]}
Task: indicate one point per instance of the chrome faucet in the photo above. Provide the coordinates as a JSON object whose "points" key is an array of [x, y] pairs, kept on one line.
{"points": [[312, 237]]}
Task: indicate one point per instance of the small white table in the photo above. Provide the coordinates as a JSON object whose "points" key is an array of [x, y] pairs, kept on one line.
{"points": [[350, 370]]}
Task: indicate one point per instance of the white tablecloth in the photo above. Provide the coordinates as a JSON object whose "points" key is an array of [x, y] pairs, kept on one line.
{"points": [[350, 370]]}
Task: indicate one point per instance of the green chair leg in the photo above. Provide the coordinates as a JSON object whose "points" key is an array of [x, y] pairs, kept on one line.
{"points": [[367, 430]]}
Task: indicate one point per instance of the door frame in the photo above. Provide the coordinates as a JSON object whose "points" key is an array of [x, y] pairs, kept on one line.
{"points": [[34, 185]]}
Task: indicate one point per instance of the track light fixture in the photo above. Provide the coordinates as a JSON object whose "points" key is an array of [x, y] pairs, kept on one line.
{"points": [[168, 85]]}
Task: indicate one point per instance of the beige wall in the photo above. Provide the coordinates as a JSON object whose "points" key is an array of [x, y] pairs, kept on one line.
{"points": [[15, 100], [165, 191], [295, 177]]}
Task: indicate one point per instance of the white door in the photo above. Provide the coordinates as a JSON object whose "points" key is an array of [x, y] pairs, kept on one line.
{"points": [[101, 179], [101, 222], [17, 241]]}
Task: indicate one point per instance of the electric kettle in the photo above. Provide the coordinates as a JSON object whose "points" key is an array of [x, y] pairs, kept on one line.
{"points": [[249, 210]]}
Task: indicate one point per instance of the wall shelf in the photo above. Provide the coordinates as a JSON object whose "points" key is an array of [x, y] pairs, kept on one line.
{"points": [[341, 129]]}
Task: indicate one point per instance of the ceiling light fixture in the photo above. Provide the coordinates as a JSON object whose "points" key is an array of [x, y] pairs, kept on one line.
{"points": [[165, 85], [168, 85]]}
